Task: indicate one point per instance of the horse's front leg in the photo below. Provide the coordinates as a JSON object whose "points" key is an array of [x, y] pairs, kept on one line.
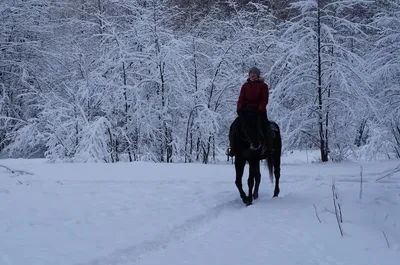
{"points": [[240, 163], [258, 181], [253, 174], [250, 183]]}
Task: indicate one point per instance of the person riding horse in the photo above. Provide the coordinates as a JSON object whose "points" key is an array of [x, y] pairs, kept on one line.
{"points": [[253, 99]]}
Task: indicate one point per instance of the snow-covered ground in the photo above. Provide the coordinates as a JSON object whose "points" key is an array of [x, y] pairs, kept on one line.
{"points": [[156, 214]]}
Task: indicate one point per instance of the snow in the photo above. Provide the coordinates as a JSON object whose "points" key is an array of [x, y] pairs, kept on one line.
{"points": [[150, 214]]}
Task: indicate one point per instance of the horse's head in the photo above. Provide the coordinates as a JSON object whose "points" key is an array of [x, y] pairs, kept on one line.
{"points": [[251, 128]]}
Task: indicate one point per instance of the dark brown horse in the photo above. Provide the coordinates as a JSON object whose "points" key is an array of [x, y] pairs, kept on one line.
{"points": [[246, 132]]}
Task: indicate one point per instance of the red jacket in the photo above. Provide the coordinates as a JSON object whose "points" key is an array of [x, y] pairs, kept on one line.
{"points": [[253, 96]]}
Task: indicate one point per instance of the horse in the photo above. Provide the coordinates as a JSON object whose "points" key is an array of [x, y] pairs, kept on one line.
{"points": [[251, 148]]}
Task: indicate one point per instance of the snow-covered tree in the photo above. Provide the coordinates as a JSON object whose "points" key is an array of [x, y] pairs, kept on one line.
{"points": [[322, 77], [25, 28], [384, 64], [128, 80]]}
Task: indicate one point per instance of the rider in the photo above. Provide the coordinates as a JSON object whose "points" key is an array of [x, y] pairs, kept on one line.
{"points": [[254, 96]]}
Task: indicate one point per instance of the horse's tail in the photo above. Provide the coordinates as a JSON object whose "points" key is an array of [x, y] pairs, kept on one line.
{"points": [[270, 164]]}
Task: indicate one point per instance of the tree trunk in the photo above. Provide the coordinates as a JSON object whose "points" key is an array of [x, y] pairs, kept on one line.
{"points": [[126, 110], [198, 149], [322, 136], [111, 145], [188, 132], [191, 147]]}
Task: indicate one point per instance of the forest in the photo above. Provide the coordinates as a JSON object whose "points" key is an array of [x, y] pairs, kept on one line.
{"points": [[158, 80]]}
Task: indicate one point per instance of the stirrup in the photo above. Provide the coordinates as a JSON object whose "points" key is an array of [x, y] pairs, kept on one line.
{"points": [[230, 152]]}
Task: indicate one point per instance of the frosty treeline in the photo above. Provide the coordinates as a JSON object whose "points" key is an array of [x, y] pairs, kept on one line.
{"points": [[129, 80]]}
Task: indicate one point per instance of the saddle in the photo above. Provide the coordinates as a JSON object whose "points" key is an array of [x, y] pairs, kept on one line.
{"points": [[236, 128]]}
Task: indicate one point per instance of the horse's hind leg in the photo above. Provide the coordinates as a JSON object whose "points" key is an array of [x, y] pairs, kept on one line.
{"points": [[240, 163], [277, 173], [258, 181]]}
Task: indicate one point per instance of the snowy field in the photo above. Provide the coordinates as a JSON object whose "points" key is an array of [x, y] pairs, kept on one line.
{"points": [[175, 214]]}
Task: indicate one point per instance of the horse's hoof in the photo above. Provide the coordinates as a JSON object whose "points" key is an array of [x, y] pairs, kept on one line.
{"points": [[247, 201], [275, 195], [255, 196]]}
